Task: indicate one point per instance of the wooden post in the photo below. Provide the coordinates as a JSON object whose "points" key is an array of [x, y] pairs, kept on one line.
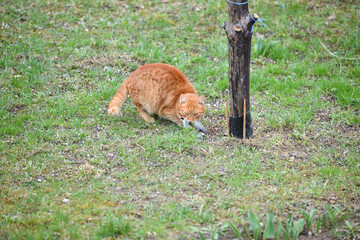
{"points": [[239, 32]]}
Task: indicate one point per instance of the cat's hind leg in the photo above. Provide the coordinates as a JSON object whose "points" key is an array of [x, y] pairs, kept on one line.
{"points": [[144, 114]]}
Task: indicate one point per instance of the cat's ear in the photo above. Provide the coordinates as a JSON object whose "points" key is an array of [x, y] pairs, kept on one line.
{"points": [[201, 100], [182, 99]]}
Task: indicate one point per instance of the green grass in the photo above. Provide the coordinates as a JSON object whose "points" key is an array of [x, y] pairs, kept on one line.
{"points": [[61, 63]]}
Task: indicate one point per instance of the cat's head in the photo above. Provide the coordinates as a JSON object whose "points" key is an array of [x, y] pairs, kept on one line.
{"points": [[191, 107]]}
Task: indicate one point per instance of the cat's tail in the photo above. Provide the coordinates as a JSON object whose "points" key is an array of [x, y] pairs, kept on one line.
{"points": [[117, 101]]}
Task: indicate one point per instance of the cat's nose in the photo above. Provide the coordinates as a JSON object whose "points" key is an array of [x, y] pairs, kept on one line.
{"points": [[192, 119]]}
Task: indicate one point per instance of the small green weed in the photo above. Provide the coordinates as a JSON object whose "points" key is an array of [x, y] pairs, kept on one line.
{"points": [[113, 226], [293, 229], [262, 48]]}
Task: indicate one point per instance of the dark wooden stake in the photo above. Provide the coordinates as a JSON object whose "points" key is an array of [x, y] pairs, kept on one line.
{"points": [[238, 32], [227, 120], [244, 120]]}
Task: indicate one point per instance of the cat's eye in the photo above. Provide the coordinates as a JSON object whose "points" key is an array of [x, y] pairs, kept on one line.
{"points": [[196, 114], [186, 114]]}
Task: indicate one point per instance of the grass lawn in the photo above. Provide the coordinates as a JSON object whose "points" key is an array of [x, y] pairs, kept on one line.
{"points": [[69, 171]]}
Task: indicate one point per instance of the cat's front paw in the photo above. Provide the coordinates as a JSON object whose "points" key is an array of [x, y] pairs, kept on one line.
{"points": [[149, 120], [112, 111]]}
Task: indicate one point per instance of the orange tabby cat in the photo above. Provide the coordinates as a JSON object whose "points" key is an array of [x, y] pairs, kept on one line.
{"points": [[163, 90]]}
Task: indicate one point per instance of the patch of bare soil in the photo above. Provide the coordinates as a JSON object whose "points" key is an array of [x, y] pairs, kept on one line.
{"points": [[15, 108]]}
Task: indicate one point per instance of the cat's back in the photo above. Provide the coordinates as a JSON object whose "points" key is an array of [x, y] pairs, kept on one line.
{"points": [[160, 68], [160, 73]]}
